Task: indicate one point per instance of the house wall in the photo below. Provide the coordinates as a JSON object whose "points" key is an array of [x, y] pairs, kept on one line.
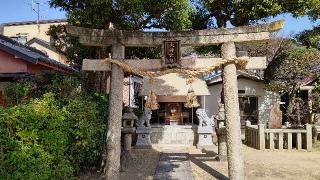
{"points": [[36, 68], [52, 54], [30, 29], [10, 64], [252, 88]]}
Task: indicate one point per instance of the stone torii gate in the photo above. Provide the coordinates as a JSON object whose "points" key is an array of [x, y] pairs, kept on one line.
{"points": [[119, 39]]}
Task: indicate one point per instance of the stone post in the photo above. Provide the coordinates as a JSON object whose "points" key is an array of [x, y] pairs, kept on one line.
{"points": [[115, 116], [230, 86]]}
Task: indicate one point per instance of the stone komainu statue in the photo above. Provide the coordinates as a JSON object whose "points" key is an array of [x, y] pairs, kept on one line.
{"points": [[144, 120], [204, 120]]}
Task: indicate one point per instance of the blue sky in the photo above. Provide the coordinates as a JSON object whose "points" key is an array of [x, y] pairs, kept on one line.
{"points": [[20, 10]]}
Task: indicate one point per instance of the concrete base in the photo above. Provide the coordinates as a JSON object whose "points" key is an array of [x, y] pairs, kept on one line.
{"points": [[205, 141], [143, 140], [180, 134]]}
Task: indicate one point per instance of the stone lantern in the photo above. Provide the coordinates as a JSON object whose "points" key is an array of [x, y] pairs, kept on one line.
{"points": [[128, 129]]}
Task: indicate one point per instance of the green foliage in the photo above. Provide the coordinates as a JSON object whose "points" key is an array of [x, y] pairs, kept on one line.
{"points": [[87, 134], [60, 131], [244, 12], [35, 142], [17, 92], [310, 38], [143, 53], [63, 86], [286, 71], [123, 14]]}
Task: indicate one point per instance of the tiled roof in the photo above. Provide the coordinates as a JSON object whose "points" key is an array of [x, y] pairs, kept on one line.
{"points": [[29, 54], [41, 42], [240, 74], [34, 22]]}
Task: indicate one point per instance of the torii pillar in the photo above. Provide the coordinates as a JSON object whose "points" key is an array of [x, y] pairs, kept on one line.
{"points": [[231, 102], [115, 116]]}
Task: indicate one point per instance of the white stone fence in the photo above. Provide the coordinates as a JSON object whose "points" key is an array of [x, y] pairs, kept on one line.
{"points": [[258, 137]]}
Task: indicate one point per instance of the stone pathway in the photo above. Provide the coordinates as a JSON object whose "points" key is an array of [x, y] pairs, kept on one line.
{"points": [[174, 164]]}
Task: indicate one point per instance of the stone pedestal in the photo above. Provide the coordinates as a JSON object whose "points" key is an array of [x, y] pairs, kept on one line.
{"points": [[205, 137], [205, 129], [205, 140], [143, 139], [222, 143]]}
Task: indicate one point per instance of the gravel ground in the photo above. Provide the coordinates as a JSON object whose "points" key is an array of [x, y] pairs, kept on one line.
{"points": [[260, 165]]}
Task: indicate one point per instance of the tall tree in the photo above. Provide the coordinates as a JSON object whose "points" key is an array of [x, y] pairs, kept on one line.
{"points": [[244, 12], [124, 14]]}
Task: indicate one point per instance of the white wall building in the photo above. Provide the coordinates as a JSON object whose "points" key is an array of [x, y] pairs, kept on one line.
{"points": [[254, 100]]}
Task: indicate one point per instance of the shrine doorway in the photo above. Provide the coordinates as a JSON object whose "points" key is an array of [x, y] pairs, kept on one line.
{"points": [[172, 111]]}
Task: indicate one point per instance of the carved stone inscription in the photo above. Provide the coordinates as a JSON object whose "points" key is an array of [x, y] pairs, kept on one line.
{"points": [[171, 54]]}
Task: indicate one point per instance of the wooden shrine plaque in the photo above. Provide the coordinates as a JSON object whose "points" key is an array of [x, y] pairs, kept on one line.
{"points": [[171, 54]]}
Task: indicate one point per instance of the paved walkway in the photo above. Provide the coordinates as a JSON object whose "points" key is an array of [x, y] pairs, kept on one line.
{"points": [[174, 164]]}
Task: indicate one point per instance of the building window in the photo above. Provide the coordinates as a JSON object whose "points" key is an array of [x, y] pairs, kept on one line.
{"points": [[248, 109]]}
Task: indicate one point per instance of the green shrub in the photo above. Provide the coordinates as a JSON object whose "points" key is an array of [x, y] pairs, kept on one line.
{"points": [[17, 92], [35, 141], [58, 130], [87, 132]]}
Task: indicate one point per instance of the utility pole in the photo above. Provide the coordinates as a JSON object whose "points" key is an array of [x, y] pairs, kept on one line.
{"points": [[36, 8]]}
